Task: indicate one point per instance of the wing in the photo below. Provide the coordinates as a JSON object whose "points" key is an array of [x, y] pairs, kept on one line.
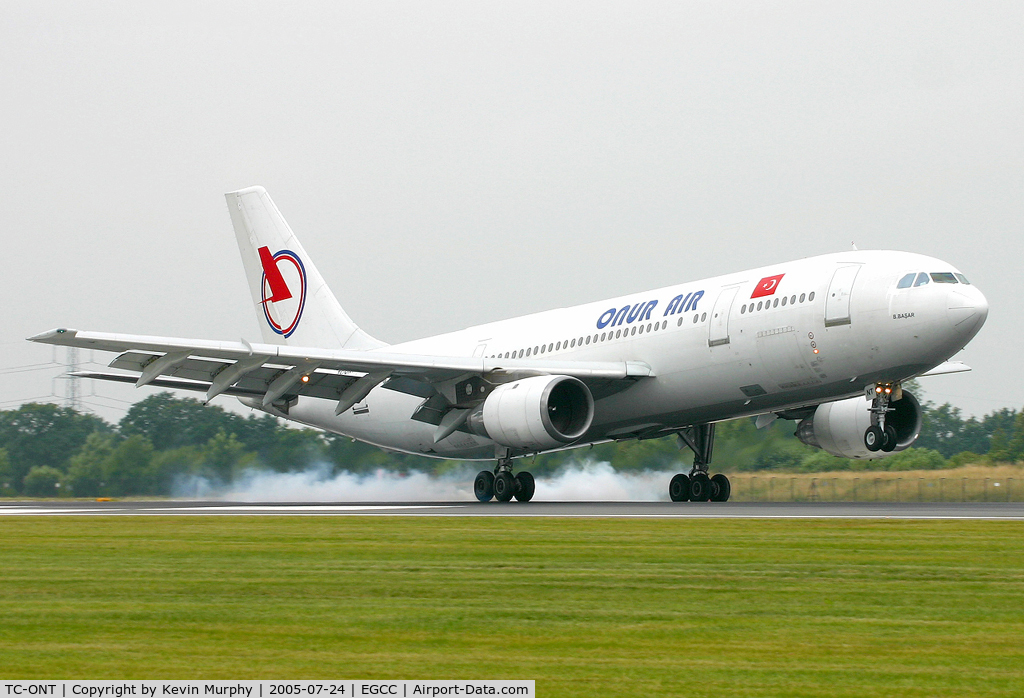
{"points": [[275, 374], [946, 368]]}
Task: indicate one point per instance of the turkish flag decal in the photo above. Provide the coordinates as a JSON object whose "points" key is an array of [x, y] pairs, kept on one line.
{"points": [[767, 286]]}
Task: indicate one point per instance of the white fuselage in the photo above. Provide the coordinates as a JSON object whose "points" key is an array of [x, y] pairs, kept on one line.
{"points": [[720, 348]]}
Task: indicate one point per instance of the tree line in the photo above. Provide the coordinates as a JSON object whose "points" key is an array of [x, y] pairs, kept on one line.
{"points": [[162, 440]]}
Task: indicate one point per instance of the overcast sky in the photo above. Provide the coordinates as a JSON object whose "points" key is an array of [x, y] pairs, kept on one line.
{"points": [[446, 164]]}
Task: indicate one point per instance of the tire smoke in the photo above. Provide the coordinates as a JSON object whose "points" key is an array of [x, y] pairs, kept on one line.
{"points": [[592, 481]]}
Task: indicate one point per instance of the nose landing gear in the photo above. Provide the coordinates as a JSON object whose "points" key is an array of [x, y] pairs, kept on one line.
{"points": [[881, 436], [698, 486]]}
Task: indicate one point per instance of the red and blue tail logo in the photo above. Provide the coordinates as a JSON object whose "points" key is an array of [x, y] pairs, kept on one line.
{"points": [[284, 290]]}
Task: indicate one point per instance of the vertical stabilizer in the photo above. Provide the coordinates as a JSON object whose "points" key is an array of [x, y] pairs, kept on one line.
{"points": [[293, 303]]}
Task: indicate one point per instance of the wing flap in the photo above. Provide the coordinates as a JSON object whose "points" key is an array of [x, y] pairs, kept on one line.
{"points": [[237, 391], [322, 384]]}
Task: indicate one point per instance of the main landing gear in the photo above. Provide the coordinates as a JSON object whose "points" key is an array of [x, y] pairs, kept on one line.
{"points": [[502, 485], [698, 486], [881, 436]]}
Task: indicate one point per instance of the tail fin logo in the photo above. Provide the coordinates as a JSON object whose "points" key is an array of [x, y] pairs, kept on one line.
{"points": [[283, 290]]}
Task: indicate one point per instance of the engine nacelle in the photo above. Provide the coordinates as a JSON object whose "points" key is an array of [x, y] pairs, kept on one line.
{"points": [[838, 427], [535, 413]]}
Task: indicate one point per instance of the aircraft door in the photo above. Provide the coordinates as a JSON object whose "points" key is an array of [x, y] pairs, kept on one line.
{"points": [[718, 328], [837, 302]]}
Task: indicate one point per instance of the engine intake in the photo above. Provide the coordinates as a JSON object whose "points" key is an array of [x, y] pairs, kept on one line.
{"points": [[838, 427], [535, 413]]}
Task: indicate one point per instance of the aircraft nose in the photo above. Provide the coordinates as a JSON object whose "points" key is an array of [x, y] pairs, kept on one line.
{"points": [[967, 309]]}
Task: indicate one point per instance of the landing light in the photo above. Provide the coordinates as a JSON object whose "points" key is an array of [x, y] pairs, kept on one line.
{"points": [[305, 379]]}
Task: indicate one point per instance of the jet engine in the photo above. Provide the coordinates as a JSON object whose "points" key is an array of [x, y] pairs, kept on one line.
{"points": [[535, 413], [838, 427]]}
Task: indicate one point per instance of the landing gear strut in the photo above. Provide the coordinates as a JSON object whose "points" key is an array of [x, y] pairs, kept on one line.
{"points": [[502, 485], [881, 436], [698, 486]]}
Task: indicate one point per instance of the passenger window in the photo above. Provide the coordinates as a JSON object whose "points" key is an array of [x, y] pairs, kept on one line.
{"points": [[922, 279], [944, 277], [573, 343], [664, 324], [527, 352], [743, 309], [703, 317], [641, 329], [802, 297], [784, 299], [648, 327], [776, 303], [759, 305], [618, 333], [520, 353], [696, 318], [907, 281], [633, 332], [588, 339], [680, 323], [792, 300], [811, 297], [963, 279]]}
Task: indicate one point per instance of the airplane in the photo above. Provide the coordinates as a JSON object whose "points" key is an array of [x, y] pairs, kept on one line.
{"points": [[826, 341]]}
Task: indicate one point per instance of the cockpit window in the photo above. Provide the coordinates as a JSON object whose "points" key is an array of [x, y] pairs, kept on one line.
{"points": [[907, 281], [963, 279], [944, 277], [922, 279]]}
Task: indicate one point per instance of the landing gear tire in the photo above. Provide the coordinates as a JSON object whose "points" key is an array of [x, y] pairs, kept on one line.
{"points": [[504, 486], [700, 487], [721, 488], [483, 486], [889, 439], [679, 488], [873, 438], [526, 486]]}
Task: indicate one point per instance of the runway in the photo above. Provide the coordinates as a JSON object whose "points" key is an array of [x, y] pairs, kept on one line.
{"points": [[1008, 511]]}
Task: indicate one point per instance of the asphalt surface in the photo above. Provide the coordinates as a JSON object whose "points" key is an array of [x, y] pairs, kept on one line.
{"points": [[728, 510]]}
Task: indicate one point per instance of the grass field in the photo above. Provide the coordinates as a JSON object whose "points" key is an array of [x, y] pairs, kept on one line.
{"points": [[970, 483], [585, 607]]}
